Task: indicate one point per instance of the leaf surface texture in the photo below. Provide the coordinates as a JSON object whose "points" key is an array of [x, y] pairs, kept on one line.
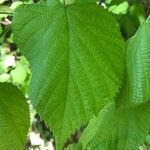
{"points": [[76, 60], [126, 124], [124, 129], [138, 65]]}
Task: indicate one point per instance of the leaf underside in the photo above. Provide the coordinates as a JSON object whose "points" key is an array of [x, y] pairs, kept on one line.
{"points": [[14, 118], [76, 60], [138, 65]]}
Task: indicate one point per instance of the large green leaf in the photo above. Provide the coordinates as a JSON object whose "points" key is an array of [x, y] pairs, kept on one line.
{"points": [[123, 129], [138, 65], [76, 60], [14, 118]]}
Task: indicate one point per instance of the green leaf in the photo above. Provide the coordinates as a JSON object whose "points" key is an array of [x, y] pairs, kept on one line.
{"points": [[138, 65], [119, 9], [75, 146], [5, 10], [14, 118], [118, 129], [4, 77], [100, 130], [19, 74], [139, 11], [1, 30], [76, 60]]}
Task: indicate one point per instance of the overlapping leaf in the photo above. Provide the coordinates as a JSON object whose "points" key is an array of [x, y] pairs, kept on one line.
{"points": [[138, 65], [125, 129], [14, 118], [76, 60]]}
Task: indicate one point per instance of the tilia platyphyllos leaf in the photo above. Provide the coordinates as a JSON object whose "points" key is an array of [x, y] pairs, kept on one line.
{"points": [[76, 60]]}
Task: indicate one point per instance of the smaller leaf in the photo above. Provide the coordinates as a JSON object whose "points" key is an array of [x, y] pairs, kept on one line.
{"points": [[5, 10], [138, 65], [19, 74], [119, 9], [4, 77], [123, 129], [14, 118]]}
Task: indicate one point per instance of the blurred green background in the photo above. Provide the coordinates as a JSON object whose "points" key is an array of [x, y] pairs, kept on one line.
{"points": [[14, 67]]}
